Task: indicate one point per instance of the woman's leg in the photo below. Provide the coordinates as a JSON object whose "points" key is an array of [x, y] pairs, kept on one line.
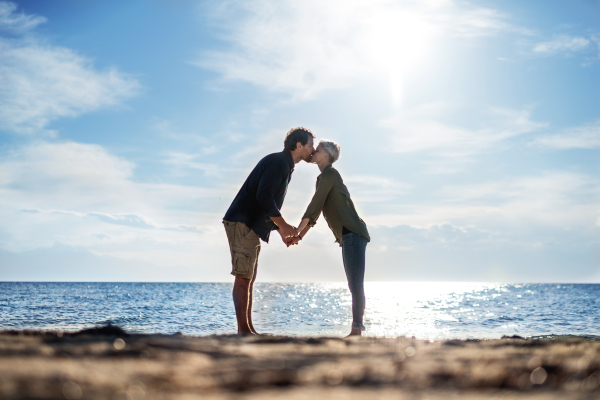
{"points": [[353, 253]]}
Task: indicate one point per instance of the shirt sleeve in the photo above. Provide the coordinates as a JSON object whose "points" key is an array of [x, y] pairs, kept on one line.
{"points": [[270, 181], [318, 201]]}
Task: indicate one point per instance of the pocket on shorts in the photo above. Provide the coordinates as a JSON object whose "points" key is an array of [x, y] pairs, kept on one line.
{"points": [[243, 260], [251, 239]]}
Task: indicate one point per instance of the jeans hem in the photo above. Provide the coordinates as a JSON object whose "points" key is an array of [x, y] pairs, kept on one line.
{"points": [[358, 325]]}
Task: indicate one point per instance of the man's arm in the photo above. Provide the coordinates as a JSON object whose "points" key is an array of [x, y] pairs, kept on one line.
{"points": [[285, 229], [270, 180]]}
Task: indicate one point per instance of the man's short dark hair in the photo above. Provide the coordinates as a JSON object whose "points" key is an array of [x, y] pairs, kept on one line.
{"points": [[296, 135]]}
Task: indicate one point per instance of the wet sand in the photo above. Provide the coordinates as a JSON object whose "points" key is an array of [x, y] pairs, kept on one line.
{"points": [[107, 363]]}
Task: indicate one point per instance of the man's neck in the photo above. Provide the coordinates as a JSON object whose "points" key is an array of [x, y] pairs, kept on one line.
{"points": [[296, 156]]}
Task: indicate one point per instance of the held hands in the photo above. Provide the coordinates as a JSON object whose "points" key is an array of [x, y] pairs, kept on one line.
{"points": [[292, 240], [289, 235], [300, 231]]}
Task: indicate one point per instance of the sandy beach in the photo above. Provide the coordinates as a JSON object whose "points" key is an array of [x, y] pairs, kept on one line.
{"points": [[107, 363]]}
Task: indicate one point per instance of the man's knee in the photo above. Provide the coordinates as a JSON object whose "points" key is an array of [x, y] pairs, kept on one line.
{"points": [[241, 283]]}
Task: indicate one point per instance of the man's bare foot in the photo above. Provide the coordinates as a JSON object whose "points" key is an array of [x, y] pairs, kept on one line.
{"points": [[247, 333], [355, 332]]}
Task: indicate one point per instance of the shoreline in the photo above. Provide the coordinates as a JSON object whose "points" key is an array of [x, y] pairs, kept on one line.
{"points": [[92, 328], [108, 363]]}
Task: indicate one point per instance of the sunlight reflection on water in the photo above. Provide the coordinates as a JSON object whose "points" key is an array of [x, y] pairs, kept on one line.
{"points": [[428, 310], [422, 309]]}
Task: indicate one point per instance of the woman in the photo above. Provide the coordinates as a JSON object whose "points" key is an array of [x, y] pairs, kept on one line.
{"points": [[350, 231]]}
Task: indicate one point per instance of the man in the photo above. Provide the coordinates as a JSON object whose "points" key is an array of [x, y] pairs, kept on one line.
{"points": [[254, 213]]}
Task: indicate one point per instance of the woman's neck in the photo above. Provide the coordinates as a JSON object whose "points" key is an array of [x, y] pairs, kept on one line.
{"points": [[322, 165]]}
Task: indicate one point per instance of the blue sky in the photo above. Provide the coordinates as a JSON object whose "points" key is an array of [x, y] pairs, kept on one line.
{"points": [[470, 135]]}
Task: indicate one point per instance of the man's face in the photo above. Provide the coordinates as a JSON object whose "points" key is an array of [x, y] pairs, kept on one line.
{"points": [[307, 150]]}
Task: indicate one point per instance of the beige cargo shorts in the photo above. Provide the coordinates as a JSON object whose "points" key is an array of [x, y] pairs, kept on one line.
{"points": [[244, 245]]}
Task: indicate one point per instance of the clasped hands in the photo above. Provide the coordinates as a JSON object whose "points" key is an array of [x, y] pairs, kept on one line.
{"points": [[290, 235]]}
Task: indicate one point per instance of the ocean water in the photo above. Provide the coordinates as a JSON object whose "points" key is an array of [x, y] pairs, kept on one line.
{"points": [[425, 310]]}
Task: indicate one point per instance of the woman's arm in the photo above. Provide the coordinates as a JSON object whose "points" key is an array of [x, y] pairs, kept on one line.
{"points": [[313, 211], [303, 227]]}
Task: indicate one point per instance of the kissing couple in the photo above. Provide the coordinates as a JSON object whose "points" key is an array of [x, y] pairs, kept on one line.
{"points": [[255, 212]]}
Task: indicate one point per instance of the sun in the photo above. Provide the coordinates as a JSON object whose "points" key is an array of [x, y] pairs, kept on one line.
{"points": [[396, 42]]}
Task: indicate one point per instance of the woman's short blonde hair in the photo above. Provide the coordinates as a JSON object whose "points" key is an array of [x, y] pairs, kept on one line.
{"points": [[331, 148]]}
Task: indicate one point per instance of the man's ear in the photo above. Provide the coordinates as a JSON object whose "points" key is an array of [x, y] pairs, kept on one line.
{"points": [[298, 145]]}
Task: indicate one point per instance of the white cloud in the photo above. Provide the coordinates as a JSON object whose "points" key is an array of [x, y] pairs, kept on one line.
{"points": [[420, 129], [81, 195], [561, 44], [306, 47], [82, 167], [407, 238], [375, 188], [15, 23], [561, 186], [40, 83], [131, 220], [582, 137], [514, 206], [477, 21], [190, 161]]}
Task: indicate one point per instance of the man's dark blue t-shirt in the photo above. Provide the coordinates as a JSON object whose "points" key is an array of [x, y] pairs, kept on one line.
{"points": [[262, 194]]}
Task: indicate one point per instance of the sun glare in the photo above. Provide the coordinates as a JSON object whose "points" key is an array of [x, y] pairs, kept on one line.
{"points": [[421, 309], [395, 44]]}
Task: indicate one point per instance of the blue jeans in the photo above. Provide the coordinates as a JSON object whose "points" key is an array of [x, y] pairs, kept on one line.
{"points": [[353, 252]]}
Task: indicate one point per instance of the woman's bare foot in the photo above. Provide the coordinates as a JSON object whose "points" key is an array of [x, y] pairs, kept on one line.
{"points": [[355, 332]]}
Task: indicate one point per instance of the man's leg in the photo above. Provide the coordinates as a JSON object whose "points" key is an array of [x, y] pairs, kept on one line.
{"points": [[244, 244], [251, 294], [241, 301]]}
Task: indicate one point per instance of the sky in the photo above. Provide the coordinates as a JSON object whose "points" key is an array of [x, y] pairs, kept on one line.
{"points": [[469, 134]]}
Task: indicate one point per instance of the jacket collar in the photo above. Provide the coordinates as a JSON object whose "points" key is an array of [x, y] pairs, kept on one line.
{"points": [[289, 158], [324, 169]]}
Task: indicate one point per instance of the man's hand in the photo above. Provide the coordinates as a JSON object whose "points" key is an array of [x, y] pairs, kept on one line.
{"points": [[290, 241], [285, 230], [283, 239]]}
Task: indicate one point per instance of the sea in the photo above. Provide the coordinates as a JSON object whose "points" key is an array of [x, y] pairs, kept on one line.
{"points": [[425, 310]]}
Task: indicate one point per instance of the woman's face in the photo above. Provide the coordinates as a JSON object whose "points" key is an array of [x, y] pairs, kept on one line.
{"points": [[319, 155]]}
